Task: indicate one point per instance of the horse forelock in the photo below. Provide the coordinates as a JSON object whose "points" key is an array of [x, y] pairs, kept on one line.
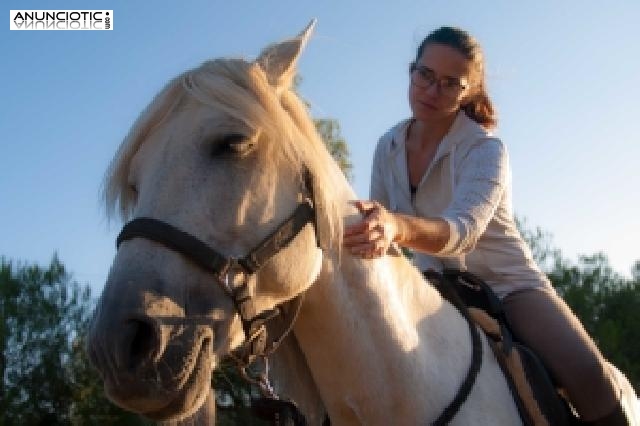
{"points": [[241, 90], [119, 197]]}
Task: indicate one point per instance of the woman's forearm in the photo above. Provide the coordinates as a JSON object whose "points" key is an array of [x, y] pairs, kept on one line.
{"points": [[427, 235]]}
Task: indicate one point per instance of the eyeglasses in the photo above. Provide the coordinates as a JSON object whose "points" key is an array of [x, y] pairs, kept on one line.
{"points": [[425, 77]]}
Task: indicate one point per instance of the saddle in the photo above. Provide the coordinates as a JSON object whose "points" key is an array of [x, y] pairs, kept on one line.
{"points": [[533, 390]]}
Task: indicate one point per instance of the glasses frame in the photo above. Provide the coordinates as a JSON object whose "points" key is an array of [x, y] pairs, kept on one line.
{"points": [[443, 83]]}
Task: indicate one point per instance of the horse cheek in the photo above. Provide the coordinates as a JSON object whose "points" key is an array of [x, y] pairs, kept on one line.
{"points": [[293, 270]]}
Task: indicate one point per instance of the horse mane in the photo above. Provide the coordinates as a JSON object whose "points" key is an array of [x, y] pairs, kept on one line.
{"points": [[241, 90]]}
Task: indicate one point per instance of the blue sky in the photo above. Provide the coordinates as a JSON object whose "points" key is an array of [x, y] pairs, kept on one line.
{"points": [[563, 75]]}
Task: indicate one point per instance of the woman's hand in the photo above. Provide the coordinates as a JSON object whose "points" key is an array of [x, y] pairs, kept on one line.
{"points": [[371, 237]]}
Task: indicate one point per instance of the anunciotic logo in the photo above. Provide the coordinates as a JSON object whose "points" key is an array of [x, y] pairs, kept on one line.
{"points": [[61, 19]]}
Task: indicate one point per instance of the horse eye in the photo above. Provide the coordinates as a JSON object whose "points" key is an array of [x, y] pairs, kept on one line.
{"points": [[233, 144]]}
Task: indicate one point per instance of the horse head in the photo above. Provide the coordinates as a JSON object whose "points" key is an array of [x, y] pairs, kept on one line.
{"points": [[221, 158]]}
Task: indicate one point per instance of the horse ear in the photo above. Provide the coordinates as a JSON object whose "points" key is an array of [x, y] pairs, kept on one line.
{"points": [[278, 60]]}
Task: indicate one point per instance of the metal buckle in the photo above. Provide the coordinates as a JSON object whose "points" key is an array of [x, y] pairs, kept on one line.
{"points": [[231, 274]]}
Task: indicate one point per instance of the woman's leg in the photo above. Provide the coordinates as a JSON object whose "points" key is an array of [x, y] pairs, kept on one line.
{"points": [[544, 322]]}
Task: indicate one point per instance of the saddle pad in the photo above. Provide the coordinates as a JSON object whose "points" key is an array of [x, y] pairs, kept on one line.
{"points": [[530, 382]]}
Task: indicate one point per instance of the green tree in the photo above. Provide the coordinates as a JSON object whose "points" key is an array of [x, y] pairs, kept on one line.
{"points": [[329, 130], [40, 310], [541, 244]]}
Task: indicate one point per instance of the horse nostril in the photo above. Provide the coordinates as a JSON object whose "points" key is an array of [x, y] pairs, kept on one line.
{"points": [[145, 340]]}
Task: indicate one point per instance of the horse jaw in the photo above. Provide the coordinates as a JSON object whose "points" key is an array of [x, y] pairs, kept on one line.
{"points": [[284, 278]]}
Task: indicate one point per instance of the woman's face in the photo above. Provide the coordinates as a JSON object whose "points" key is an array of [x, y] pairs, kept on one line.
{"points": [[440, 81]]}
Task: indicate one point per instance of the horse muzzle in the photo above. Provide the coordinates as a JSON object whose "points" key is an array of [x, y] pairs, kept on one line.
{"points": [[160, 370]]}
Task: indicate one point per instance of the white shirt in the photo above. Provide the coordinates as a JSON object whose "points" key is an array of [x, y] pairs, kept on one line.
{"points": [[468, 184]]}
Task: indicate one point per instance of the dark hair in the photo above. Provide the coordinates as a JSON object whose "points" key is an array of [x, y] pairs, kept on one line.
{"points": [[479, 107]]}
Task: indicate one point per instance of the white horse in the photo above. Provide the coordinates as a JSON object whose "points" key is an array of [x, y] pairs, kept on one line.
{"points": [[225, 153]]}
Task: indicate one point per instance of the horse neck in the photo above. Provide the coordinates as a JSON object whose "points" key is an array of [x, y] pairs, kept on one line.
{"points": [[364, 324]]}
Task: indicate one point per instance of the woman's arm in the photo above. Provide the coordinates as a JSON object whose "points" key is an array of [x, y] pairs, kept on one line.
{"points": [[484, 174], [479, 189]]}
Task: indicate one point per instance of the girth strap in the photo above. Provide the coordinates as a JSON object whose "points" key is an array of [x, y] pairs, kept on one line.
{"points": [[448, 292]]}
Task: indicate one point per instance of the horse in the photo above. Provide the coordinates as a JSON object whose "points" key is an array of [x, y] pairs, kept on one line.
{"points": [[238, 211]]}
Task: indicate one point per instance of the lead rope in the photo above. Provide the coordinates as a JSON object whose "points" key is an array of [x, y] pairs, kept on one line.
{"points": [[271, 407]]}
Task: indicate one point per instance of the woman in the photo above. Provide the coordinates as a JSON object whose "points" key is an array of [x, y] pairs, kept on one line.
{"points": [[441, 186]]}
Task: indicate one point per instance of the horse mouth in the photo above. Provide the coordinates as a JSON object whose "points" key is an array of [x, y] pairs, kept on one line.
{"points": [[164, 394]]}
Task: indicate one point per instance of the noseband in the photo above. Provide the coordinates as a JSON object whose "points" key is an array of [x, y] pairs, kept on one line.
{"points": [[233, 274]]}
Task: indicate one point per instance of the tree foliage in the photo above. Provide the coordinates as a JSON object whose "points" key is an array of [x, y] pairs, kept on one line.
{"points": [[329, 130]]}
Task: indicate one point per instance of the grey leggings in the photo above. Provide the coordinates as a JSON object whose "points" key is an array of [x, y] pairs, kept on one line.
{"points": [[544, 322]]}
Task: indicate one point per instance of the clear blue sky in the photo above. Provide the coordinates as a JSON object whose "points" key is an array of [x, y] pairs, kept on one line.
{"points": [[564, 76]]}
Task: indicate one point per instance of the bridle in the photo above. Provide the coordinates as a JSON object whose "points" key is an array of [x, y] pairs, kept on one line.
{"points": [[233, 274]]}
